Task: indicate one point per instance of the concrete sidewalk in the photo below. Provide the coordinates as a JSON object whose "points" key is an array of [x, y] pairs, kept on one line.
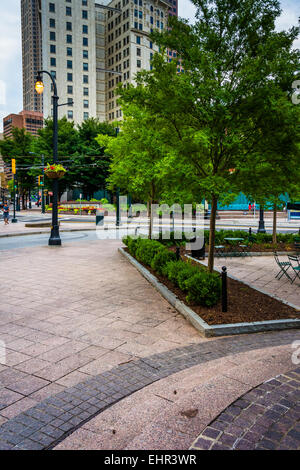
{"points": [[82, 329]]}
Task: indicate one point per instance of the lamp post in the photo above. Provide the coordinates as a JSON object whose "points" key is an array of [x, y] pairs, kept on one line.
{"points": [[261, 223], [39, 86], [118, 213]]}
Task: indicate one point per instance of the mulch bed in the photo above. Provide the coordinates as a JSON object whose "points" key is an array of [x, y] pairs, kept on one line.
{"points": [[244, 303]]}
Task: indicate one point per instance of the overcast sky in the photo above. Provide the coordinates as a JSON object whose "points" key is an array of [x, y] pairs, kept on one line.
{"points": [[11, 51]]}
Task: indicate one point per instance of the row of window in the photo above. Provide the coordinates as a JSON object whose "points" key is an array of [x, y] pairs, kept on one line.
{"points": [[68, 11], [52, 24], [85, 53], [86, 115], [85, 65], [69, 39]]}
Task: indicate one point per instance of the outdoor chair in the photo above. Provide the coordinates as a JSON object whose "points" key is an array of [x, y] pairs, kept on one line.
{"points": [[244, 249], [284, 266], [219, 250], [295, 265]]}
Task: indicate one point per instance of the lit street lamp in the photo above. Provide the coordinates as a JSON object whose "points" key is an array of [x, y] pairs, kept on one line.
{"points": [[39, 87]]}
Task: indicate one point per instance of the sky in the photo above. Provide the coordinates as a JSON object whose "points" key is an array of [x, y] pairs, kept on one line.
{"points": [[11, 47]]}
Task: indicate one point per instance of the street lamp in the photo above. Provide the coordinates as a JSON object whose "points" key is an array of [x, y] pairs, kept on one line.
{"points": [[39, 87], [261, 223]]}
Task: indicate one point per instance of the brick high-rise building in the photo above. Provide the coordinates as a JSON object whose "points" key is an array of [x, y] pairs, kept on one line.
{"points": [[31, 121], [78, 42]]}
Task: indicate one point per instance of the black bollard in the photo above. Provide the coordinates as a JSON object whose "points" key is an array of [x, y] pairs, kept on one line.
{"points": [[224, 289]]}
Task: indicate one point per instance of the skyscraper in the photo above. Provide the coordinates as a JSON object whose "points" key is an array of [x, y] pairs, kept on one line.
{"points": [[89, 48]]}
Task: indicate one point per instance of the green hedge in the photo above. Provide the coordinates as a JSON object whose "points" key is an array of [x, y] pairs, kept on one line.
{"points": [[201, 287]]}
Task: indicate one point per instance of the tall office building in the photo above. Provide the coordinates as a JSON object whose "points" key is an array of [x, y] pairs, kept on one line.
{"points": [[89, 48], [31, 52]]}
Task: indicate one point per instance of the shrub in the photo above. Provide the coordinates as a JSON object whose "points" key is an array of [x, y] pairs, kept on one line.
{"points": [[172, 270], [161, 259], [203, 288], [184, 274], [147, 249]]}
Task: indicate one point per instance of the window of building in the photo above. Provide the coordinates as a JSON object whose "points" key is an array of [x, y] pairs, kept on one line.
{"points": [[85, 54], [69, 51], [53, 62], [69, 64], [52, 23], [85, 79], [70, 102], [85, 41], [70, 89], [52, 49], [85, 29], [135, 25], [52, 7], [84, 3], [85, 66], [85, 115], [86, 92], [138, 39], [138, 51], [69, 39], [69, 26], [70, 114], [53, 73], [68, 11], [69, 77], [84, 14], [52, 36], [85, 103], [138, 63], [140, 26]]}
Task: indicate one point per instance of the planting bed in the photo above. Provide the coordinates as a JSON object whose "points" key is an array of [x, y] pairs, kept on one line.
{"points": [[244, 303]]}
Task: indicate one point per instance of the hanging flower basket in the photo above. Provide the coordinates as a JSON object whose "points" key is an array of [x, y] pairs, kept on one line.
{"points": [[55, 171]]}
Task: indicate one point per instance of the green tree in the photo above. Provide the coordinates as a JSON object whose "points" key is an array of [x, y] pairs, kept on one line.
{"points": [[222, 111], [137, 155], [19, 147]]}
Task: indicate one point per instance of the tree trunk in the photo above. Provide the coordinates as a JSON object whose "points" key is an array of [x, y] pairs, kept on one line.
{"points": [[150, 215], [274, 236], [212, 231]]}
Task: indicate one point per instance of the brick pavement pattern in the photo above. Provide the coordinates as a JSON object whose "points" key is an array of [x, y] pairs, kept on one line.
{"points": [[41, 426], [73, 314], [266, 418], [260, 271]]}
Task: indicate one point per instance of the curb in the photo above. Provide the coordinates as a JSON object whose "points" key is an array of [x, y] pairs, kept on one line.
{"points": [[203, 327]]}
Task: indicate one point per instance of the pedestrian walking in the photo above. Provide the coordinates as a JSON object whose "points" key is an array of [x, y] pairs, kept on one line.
{"points": [[6, 213], [249, 207]]}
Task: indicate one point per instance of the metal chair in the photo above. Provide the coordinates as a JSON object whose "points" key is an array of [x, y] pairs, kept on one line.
{"points": [[295, 265], [284, 266], [219, 250]]}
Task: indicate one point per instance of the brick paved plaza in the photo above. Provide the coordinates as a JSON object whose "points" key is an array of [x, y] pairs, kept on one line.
{"points": [[83, 329]]}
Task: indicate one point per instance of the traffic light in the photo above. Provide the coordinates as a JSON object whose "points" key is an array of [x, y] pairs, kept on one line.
{"points": [[13, 166], [41, 180]]}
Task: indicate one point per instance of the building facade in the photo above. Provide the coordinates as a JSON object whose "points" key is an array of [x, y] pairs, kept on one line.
{"points": [[31, 121], [89, 48]]}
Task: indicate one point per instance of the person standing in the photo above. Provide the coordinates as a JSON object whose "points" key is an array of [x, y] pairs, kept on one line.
{"points": [[5, 213]]}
